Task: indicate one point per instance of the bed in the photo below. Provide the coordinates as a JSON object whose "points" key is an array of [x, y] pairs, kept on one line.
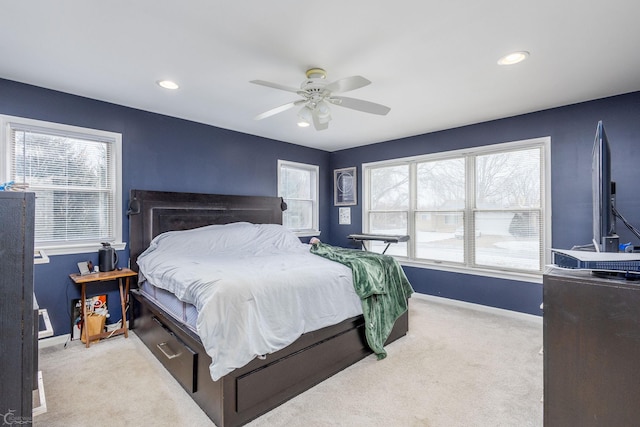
{"points": [[263, 383]]}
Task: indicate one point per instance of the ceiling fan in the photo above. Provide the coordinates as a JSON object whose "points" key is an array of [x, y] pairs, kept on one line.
{"points": [[317, 94]]}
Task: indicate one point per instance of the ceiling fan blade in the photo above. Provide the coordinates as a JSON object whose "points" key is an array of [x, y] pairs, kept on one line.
{"points": [[360, 105], [275, 86], [279, 109], [347, 84]]}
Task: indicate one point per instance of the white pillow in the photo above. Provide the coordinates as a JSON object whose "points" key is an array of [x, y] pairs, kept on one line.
{"points": [[237, 237]]}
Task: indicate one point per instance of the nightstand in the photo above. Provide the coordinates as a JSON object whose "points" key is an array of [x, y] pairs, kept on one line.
{"points": [[96, 279]]}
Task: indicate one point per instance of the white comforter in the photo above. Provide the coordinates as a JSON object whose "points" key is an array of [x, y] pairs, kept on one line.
{"points": [[256, 288]]}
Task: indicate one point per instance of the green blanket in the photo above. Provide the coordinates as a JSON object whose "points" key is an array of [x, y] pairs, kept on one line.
{"points": [[381, 285]]}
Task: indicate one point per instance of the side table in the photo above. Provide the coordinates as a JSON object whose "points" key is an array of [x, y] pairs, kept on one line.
{"points": [[97, 278]]}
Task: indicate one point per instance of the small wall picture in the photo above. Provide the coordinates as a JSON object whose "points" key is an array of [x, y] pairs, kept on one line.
{"points": [[344, 216], [345, 187]]}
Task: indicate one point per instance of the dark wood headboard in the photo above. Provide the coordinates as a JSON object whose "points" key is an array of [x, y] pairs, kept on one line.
{"points": [[155, 212]]}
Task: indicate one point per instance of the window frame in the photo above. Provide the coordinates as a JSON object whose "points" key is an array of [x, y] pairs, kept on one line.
{"points": [[9, 122], [469, 267], [315, 171]]}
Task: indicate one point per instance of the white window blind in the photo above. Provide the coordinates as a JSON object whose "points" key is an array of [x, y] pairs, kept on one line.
{"points": [[75, 177]]}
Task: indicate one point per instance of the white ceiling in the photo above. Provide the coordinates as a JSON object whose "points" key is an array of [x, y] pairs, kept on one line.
{"points": [[432, 62]]}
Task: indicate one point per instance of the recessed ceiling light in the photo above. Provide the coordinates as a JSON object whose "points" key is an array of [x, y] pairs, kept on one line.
{"points": [[513, 58], [168, 84]]}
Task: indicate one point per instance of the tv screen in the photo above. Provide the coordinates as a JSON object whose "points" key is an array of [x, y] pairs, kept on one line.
{"points": [[605, 238]]}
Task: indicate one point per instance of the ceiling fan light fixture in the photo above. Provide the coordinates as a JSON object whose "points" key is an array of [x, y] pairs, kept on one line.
{"points": [[323, 112], [513, 58], [305, 117]]}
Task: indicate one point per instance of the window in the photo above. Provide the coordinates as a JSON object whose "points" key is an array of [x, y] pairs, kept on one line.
{"points": [[75, 173], [298, 185], [389, 205], [482, 209], [440, 204]]}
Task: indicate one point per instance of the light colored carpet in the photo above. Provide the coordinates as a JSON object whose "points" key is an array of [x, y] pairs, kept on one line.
{"points": [[460, 365]]}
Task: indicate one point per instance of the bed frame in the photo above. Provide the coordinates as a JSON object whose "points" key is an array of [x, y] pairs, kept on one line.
{"points": [[262, 384]]}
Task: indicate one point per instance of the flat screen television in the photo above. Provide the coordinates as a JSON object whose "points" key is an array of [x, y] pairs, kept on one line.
{"points": [[605, 238]]}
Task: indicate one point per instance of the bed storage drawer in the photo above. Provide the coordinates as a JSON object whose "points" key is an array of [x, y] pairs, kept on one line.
{"points": [[293, 371], [173, 353]]}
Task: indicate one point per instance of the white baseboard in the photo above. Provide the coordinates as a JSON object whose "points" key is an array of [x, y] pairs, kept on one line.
{"points": [[479, 307], [62, 339], [52, 341]]}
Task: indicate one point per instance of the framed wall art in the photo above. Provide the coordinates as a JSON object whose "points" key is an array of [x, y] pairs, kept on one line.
{"points": [[345, 188], [344, 216]]}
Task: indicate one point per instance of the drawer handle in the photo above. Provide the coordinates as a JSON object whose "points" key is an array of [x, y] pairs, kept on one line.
{"points": [[163, 347]]}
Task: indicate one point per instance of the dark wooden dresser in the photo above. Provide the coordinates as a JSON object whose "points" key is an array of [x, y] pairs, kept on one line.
{"points": [[17, 338], [591, 350]]}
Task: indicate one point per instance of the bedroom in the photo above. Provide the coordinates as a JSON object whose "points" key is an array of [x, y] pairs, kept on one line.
{"points": [[167, 153]]}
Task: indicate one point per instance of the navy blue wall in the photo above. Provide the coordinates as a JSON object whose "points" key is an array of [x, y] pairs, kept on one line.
{"points": [[169, 154], [572, 131], [159, 153]]}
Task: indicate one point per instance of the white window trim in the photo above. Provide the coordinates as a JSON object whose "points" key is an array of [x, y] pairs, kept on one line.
{"points": [[315, 231], [545, 142], [64, 249]]}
